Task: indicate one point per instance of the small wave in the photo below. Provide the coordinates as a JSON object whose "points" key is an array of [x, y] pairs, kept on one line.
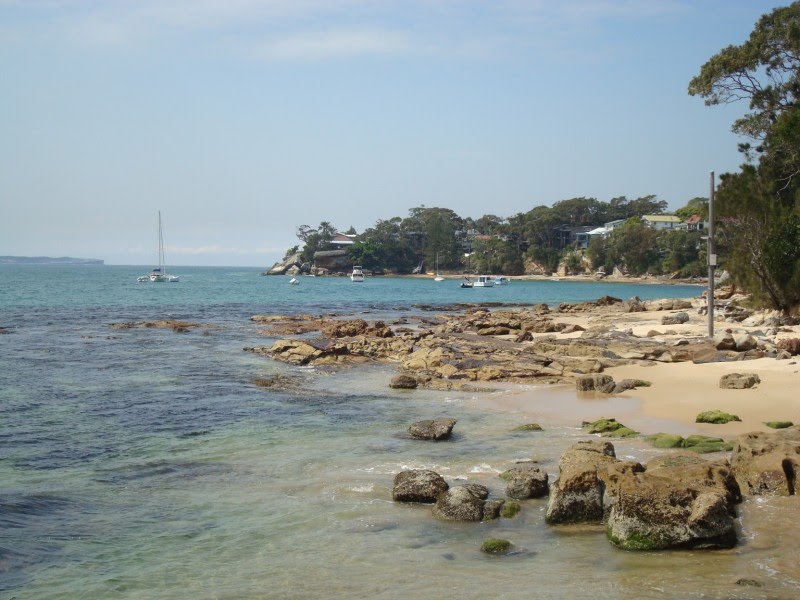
{"points": [[362, 489]]}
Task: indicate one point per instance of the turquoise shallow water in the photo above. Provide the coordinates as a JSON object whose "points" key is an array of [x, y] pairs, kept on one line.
{"points": [[144, 463]]}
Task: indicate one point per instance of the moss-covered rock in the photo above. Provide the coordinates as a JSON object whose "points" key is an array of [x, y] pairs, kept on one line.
{"points": [[496, 546], [622, 432], [703, 444], [529, 427], [665, 440], [778, 424], [717, 417], [510, 509], [608, 428]]}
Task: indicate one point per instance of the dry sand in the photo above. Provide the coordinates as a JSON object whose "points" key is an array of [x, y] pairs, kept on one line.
{"points": [[679, 391]]}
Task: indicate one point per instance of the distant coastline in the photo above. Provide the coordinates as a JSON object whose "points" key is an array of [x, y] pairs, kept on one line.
{"points": [[47, 260]]}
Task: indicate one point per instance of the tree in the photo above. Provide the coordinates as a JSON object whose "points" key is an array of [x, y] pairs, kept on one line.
{"points": [[315, 239], [760, 238], [633, 245], [759, 207], [695, 206], [765, 70]]}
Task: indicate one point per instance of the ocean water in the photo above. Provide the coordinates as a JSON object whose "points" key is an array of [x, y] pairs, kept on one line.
{"points": [[145, 463]]}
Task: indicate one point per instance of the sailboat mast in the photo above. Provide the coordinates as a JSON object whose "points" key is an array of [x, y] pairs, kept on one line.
{"points": [[160, 245]]}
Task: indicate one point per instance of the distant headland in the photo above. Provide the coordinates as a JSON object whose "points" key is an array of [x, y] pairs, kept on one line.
{"points": [[47, 260]]}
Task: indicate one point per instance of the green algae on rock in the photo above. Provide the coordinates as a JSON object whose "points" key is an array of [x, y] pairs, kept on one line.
{"points": [[528, 427], [608, 428], [510, 509], [717, 417], [496, 546], [778, 424]]}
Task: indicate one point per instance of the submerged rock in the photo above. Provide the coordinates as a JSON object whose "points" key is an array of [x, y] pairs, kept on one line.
{"points": [[436, 429], [404, 382], [496, 546]]}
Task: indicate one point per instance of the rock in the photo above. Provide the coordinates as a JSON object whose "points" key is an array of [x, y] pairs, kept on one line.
{"points": [[526, 482], [685, 506], [665, 440], [717, 417], [738, 381], [778, 424], [768, 463], [629, 384], [600, 383], [509, 509], [577, 494], [635, 304], [572, 328], [403, 382], [437, 429], [461, 503], [608, 428], [745, 342], [418, 485], [675, 319], [525, 336], [724, 341], [496, 546], [703, 444], [492, 509], [528, 427], [789, 345]]}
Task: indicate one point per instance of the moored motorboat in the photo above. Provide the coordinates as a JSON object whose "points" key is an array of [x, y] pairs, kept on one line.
{"points": [[357, 276]]}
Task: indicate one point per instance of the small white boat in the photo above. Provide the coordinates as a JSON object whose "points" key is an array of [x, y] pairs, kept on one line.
{"points": [[438, 277], [484, 281], [159, 274], [294, 281], [357, 276], [501, 281]]}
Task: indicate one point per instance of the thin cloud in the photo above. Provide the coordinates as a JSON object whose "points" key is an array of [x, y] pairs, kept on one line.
{"points": [[334, 44]]}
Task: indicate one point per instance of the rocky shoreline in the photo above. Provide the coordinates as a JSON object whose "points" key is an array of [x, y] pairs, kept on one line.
{"points": [[678, 500]]}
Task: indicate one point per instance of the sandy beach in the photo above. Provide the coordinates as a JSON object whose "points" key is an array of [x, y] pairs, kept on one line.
{"points": [[681, 390]]}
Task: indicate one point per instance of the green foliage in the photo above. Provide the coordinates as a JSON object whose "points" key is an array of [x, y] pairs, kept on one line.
{"points": [[760, 206], [633, 245]]}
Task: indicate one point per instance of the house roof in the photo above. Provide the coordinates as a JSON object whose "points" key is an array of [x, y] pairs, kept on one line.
{"points": [[341, 239]]}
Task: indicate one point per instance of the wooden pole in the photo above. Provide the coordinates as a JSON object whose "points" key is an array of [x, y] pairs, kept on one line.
{"points": [[712, 258]]}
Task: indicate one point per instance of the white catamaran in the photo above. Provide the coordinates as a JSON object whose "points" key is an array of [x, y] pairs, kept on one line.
{"points": [[159, 273]]}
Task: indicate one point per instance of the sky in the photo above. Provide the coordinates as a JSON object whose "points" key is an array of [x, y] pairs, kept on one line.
{"points": [[241, 120]]}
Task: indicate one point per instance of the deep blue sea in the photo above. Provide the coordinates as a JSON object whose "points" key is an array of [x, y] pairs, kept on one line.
{"points": [[145, 463]]}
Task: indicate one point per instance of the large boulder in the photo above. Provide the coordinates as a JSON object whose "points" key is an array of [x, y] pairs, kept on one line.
{"points": [[600, 383], [768, 463], [577, 494], [435, 429], [690, 504], [418, 485], [462, 503]]}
